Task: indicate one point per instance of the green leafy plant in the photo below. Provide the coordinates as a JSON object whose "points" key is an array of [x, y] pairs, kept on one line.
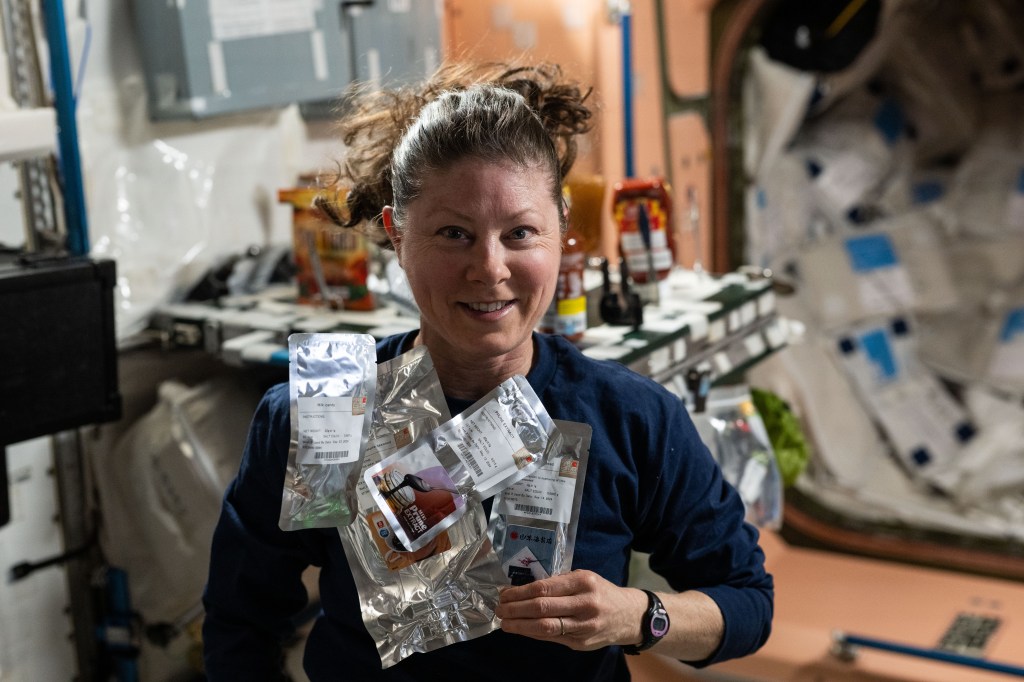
{"points": [[787, 437]]}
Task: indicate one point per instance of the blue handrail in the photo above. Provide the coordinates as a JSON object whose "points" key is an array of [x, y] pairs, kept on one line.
{"points": [[845, 640], [70, 163], [625, 23]]}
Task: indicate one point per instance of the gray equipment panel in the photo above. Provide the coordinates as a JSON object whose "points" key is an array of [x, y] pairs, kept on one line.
{"points": [[209, 57], [396, 42]]}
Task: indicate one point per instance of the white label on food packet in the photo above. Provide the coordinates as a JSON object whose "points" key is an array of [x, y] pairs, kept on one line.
{"points": [[545, 494], [489, 446], [329, 430]]}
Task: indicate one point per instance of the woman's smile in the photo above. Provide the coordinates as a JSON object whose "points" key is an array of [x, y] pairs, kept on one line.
{"points": [[492, 307]]}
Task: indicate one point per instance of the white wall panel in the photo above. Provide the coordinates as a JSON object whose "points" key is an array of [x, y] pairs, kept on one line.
{"points": [[35, 642]]}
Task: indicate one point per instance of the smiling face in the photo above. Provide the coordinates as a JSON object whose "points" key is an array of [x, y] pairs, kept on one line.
{"points": [[481, 247]]}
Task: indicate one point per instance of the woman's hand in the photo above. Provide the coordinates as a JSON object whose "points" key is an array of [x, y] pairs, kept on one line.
{"points": [[579, 609], [584, 611]]}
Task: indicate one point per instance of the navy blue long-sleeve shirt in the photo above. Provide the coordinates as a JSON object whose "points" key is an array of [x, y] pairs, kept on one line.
{"points": [[651, 485]]}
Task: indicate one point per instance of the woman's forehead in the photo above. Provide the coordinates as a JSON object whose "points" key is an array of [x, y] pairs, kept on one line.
{"points": [[480, 177], [496, 167]]}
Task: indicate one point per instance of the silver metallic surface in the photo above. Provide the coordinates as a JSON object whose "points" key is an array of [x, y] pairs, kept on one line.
{"points": [[446, 592], [508, 430], [575, 447]]}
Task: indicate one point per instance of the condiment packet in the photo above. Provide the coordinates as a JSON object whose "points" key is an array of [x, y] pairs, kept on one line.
{"points": [[533, 522], [423, 488], [332, 382]]}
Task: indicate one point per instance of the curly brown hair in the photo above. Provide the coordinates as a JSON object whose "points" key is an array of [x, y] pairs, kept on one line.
{"points": [[494, 110]]}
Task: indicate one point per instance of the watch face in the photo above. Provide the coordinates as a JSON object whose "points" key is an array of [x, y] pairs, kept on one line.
{"points": [[659, 624]]}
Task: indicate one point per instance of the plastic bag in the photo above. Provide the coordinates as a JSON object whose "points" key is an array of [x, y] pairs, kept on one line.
{"points": [[446, 592], [735, 434], [332, 382]]}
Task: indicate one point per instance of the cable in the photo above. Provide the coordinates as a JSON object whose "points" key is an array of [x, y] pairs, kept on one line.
{"points": [[26, 568]]}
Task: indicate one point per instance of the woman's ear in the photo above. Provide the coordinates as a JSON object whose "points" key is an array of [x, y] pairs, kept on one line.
{"points": [[388, 218]]}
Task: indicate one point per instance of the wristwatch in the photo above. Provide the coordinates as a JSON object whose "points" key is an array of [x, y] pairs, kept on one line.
{"points": [[653, 626]]}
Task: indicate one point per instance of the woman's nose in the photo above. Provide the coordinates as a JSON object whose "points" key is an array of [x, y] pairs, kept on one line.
{"points": [[490, 262]]}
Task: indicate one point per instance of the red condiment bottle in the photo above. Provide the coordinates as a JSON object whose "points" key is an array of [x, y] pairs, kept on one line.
{"points": [[645, 244]]}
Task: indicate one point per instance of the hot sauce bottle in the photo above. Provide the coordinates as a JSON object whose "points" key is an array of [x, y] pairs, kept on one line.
{"points": [[642, 209], [567, 314]]}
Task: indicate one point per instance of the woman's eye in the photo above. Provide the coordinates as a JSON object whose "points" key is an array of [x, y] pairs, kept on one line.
{"points": [[452, 232], [520, 233]]}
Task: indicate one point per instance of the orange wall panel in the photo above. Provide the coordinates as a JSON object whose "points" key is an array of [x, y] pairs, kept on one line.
{"points": [[584, 37]]}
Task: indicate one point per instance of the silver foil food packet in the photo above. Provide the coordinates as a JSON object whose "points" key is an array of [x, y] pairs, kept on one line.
{"points": [[445, 592], [423, 488], [533, 523], [332, 384]]}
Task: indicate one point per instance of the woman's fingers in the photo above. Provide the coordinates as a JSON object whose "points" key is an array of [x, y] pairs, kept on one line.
{"points": [[564, 585], [579, 609]]}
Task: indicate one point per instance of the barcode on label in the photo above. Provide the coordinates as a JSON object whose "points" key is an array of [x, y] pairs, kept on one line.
{"points": [[531, 509], [470, 460], [332, 454]]}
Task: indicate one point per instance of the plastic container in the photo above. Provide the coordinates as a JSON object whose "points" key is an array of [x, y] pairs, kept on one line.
{"points": [[567, 314], [586, 211]]}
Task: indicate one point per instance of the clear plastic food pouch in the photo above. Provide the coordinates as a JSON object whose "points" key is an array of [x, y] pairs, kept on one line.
{"points": [[445, 592], [533, 523], [332, 383], [733, 430], [423, 488]]}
